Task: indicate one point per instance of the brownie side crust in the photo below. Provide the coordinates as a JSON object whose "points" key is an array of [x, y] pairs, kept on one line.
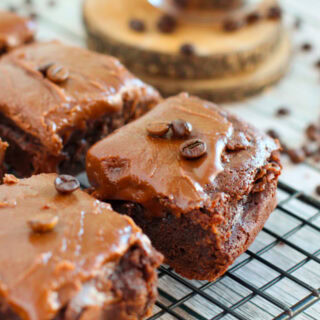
{"points": [[3, 148]]}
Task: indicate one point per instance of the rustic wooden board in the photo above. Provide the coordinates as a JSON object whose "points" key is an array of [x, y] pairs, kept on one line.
{"points": [[300, 91]]}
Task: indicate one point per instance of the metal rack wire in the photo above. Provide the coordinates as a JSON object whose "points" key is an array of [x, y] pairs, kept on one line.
{"points": [[285, 311]]}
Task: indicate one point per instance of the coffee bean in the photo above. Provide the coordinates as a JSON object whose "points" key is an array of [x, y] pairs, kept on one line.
{"points": [[193, 149], [167, 24], [66, 184], [181, 128], [283, 111], [274, 13], [57, 73], [273, 134], [158, 129], [298, 23], [232, 25], [317, 64], [296, 155], [137, 25], [253, 17], [42, 223], [44, 68], [187, 49], [181, 3], [313, 132], [306, 46], [318, 190]]}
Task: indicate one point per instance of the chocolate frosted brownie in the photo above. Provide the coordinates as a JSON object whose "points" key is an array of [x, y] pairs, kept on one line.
{"points": [[64, 255], [56, 100], [14, 31], [199, 181], [3, 148]]}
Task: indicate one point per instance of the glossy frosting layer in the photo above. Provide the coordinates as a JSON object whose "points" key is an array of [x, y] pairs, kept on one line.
{"points": [[14, 30], [132, 165], [40, 272], [95, 85]]}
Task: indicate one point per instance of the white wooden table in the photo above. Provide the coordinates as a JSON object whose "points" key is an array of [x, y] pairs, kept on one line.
{"points": [[293, 229]]}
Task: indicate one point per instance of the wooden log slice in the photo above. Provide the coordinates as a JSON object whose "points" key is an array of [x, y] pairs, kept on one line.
{"points": [[234, 88], [217, 53]]}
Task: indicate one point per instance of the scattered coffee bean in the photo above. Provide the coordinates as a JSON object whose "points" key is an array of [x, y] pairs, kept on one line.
{"points": [[158, 129], [187, 49], [274, 13], [51, 3], [193, 149], [33, 15], [298, 23], [57, 73], [296, 155], [42, 223], [273, 134], [313, 132], [317, 64], [66, 184], [253, 17], [283, 111], [167, 24], [232, 25], [306, 46], [318, 190], [28, 2], [181, 128], [137, 25], [181, 3]]}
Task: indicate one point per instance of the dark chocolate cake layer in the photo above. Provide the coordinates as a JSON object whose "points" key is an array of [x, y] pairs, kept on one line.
{"points": [[65, 255], [199, 181]]}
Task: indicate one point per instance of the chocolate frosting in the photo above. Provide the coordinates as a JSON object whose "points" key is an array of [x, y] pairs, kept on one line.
{"points": [[96, 85], [36, 270], [14, 30], [134, 166]]}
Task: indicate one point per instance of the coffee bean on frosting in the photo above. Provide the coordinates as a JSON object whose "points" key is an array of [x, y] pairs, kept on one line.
{"points": [[42, 223], [253, 17], [181, 128], [193, 149], [137, 25], [158, 129], [167, 23], [187, 49], [274, 13], [232, 25], [57, 73], [66, 184]]}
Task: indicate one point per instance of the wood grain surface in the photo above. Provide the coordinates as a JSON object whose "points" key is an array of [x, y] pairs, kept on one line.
{"points": [[284, 261]]}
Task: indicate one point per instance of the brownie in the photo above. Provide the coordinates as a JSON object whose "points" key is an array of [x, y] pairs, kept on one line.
{"points": [[67, 256], [14, 31], [3, 148], [198, 180], [57, 100]]}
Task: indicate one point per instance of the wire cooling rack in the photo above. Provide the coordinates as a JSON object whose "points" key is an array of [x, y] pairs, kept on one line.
{"points": [[279, 276]]}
